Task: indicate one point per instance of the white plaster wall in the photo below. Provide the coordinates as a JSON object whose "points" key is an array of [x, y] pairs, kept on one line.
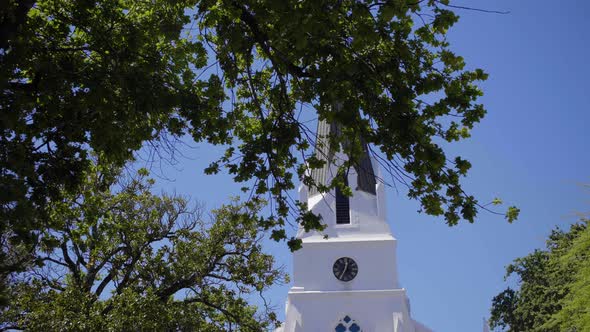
{"points": [[372, 310], [375, 257]]}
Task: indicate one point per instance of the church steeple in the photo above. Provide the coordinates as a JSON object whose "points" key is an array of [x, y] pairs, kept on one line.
{"points": [[345, 277], [362, 213], [324, 151]]}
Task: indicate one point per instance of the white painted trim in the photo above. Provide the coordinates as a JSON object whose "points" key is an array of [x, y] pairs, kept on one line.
{"points": [[371, 292], [352, 238]]}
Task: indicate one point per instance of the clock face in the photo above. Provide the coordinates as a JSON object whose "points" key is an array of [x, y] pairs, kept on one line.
{"points": [[345, 269]]}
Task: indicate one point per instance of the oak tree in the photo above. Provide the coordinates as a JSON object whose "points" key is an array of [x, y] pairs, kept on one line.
{"points": [[118, 257], [553, 290]]}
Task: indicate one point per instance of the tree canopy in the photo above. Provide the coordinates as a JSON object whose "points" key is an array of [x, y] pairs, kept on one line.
{"points": [[553, 286], [118, 257], [113, 76]]}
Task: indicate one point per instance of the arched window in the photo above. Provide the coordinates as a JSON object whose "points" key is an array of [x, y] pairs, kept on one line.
{"points": [[347, 324]]}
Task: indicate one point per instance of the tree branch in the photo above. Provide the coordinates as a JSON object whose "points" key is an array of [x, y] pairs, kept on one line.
{"points": [[475, 9], [70, 263]]}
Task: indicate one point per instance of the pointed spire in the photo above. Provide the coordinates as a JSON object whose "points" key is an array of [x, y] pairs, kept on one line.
{"points": [[322, 176]]}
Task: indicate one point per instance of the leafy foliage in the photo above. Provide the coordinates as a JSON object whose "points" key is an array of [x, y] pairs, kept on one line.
{"points": [[76, 75], [111, 76], [382, 70], [553, 289], [118, 257], [575, 312]]}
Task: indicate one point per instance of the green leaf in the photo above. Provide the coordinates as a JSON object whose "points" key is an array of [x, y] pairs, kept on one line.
{"points": [[278, 235], [512, 213]]}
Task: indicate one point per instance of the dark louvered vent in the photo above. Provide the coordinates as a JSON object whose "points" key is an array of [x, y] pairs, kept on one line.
{"points": [[342, 207], [366, 177]]}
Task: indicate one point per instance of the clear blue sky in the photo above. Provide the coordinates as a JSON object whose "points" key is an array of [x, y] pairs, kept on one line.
{"points": [[531, 150]]}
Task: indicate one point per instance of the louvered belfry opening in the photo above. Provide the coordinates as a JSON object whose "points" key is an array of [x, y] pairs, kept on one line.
{"points": [[342, 206]]}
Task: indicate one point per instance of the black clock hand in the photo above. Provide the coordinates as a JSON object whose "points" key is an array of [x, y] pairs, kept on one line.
{"points": [[345, 267]]}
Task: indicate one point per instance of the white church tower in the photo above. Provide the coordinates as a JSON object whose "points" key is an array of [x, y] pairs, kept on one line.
{"points": [[347, 282]]}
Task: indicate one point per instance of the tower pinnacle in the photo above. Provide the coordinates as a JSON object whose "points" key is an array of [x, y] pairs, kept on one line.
{"points": [[324, 151]]}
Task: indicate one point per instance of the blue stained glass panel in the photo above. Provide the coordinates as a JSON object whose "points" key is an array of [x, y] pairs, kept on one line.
{"points": [[347, 324], [354, 328]]}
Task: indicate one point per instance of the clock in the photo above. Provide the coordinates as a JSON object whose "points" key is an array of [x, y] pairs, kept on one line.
{"points": [[345, 269]]}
